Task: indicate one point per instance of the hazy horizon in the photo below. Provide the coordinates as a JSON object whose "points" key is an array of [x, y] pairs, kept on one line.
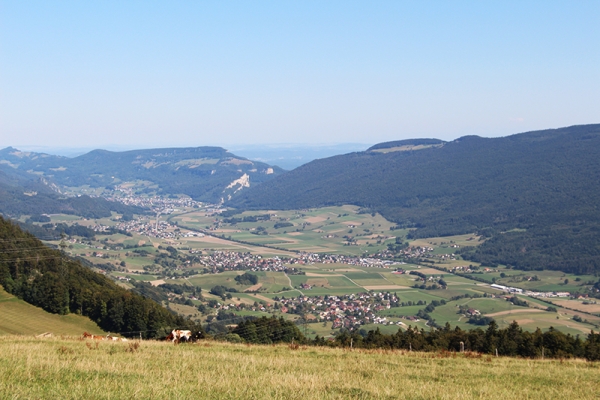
{"points": [[160, 74]]}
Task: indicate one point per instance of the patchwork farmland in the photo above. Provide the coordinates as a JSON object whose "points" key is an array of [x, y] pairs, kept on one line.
{"points": [[304, 258]]}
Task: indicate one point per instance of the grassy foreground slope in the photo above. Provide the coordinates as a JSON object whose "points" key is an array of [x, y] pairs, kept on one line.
{"points": [[73, 369], [21, 318]]}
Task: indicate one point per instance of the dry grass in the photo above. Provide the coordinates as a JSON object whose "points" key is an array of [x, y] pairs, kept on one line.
{"points": [[68, 369]]}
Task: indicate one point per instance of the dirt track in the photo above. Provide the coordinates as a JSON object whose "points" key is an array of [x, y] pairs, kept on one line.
{"points": [[520, 310], [385, 287], [253, 288]]}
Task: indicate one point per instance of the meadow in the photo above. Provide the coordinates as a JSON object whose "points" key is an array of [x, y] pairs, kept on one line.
{"points": [[76, 369], [19, 317]]}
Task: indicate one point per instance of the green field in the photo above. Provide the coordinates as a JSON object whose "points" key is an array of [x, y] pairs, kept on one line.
{"points": [[20, 318], [317, 230], [207, 281], [73, 369], [549, 281]]}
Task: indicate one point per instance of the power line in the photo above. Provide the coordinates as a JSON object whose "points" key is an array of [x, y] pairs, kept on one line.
{"points": [[26, 249], [2, 260], [29, 239]]}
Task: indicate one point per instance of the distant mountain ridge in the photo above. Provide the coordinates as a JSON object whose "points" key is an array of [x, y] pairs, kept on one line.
{"points": [[544, 184], [204, 173], [29, 194], [406, 142]]}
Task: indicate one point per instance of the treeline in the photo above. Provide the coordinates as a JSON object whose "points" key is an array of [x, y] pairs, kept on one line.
{"points": [[406, 142], [512, 341], [539, 187], [573, 248], [48, 279], [51, 231], [268, 331], [248, 218]]}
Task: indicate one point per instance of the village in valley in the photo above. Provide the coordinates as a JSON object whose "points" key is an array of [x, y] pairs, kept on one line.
{"points": [[327, 269]]}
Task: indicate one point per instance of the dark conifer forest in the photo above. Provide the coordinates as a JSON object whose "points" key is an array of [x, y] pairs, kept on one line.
{"points": [[46, 278]]}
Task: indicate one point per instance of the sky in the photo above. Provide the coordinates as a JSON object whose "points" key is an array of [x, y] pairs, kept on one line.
{"points": [[140, 74]]}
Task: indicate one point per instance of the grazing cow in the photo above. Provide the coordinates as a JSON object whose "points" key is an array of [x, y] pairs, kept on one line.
{"points": [[116, 339], [177, 335], [87, 335]]}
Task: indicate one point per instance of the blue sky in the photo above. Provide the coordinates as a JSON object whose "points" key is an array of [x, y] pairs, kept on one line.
{"points": [[192, 73]]}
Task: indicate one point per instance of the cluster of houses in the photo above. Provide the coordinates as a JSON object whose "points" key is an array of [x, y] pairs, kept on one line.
{"points": [[409, 252], [347, 311], [155, 229], [155, 203], [235, 261], [314, 258]]}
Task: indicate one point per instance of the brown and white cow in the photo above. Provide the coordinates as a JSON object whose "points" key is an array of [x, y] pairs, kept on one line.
{"points": [[177, 335], [87, 335], [116, 338]]}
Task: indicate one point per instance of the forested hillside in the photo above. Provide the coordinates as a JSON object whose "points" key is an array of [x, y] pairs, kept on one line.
{"points": [[24, 194], [43, 277], [534, 194]]}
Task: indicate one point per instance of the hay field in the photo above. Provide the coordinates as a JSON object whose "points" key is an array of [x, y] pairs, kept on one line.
{"points": [[74, 369]]}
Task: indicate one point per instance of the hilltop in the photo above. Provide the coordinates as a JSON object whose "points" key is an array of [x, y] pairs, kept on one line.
{"points": [[533, 195]]}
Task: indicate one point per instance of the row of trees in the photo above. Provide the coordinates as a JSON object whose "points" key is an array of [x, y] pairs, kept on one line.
{"points": [[512, 341]]}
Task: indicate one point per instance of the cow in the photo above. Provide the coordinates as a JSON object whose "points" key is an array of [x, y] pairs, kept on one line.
{"points": [[87, 335], [115, 338], [178, 335]]}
